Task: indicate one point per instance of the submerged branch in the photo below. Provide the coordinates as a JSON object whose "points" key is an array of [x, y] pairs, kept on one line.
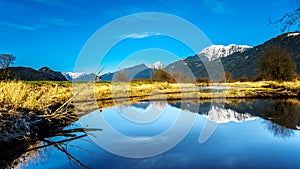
{"points": [[62, 149], [57, 142], [67, 134]]}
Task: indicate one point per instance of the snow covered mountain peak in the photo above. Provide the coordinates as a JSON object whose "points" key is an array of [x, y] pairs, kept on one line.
{"points": [[74, 75], [214, 52], [293, 34], [80, 76], [156, 65]]}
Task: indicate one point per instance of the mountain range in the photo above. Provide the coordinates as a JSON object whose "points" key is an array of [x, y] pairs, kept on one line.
{"points": [[29, 74], [80, 76], [245, 64], [240, 60], [215, 52]]}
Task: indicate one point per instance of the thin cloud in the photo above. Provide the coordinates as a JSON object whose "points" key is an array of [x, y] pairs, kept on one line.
{"points": [[217, 6], [46, 23], [59, 22], [142, 35], [72, 5], [18, 26]]}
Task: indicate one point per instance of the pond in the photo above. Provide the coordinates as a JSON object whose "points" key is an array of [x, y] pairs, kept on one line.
{"points": [[185, 134]]}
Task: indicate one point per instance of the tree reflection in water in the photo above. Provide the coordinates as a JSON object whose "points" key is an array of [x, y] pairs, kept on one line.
{"points": [[283, 116], [278, 130]]}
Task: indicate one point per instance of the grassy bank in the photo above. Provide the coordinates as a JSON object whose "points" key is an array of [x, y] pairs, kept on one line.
{"points": [[262, 89], [44, 97], [30, 111], [36, 96]]}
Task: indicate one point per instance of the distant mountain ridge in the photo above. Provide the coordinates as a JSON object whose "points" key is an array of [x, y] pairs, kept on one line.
{"points": [[29, 74], [140, 71], [240, 60], [73, 75], [245, 64], [156, 65], [214, 52], [242, 64], [51, 74], [80, 76]]}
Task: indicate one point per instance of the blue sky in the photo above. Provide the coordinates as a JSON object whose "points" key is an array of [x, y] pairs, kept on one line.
{"points": [[52, 32]]}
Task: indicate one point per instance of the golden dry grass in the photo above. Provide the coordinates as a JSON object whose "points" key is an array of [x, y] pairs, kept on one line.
{"points": [[32, 96], [40, 95]]}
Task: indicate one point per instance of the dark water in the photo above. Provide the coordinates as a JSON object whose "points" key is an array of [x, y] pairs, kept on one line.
{"points": [[188, 134]]}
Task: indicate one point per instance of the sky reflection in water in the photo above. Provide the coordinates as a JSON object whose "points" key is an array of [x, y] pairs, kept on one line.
{"points": [[243, 140]]}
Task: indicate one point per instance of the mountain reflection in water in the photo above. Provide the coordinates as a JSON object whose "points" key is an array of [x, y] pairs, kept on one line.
{"points": [[248, 135], [283, 115]]}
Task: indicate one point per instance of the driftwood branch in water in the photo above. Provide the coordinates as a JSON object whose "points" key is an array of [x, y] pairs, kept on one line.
{"points": [[70, 157], [50, 143], [67, 133], [80, 130]]}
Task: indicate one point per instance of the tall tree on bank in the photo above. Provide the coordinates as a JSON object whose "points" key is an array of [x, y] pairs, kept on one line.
{"points": [[276, 63]]}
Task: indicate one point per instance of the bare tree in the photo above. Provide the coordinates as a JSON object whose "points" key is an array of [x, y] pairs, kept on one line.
{"points": [[290, 21], [6, 60]]}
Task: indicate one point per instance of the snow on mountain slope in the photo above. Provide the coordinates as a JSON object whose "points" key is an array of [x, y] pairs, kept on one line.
{"points": [[293, 34], [156, 65], [73, 75], [214, 52], [222, 115]]}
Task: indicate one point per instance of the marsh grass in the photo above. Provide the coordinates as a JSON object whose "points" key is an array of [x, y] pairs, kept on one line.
{"points": [[39, 96], [32, 96]]}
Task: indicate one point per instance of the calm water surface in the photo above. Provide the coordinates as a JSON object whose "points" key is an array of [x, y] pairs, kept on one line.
{"points": [[244, 134]]}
